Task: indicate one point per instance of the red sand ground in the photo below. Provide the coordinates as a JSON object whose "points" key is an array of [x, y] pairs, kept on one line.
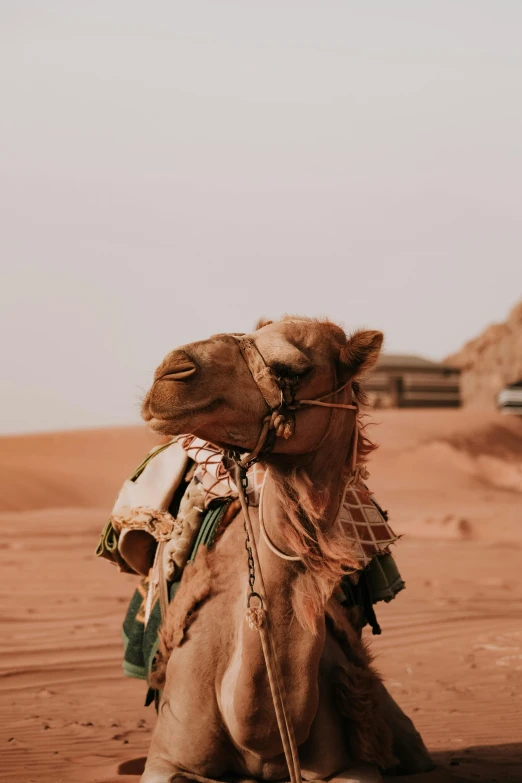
{"points": [[451, 648]]}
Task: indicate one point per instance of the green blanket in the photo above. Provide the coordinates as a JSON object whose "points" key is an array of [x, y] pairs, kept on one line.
{"points": [[141, 643]]}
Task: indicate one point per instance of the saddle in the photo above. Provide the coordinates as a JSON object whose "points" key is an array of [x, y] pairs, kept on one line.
{"points": [[175, 501]]}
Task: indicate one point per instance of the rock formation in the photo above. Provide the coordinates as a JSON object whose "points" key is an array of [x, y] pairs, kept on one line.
{"points": [[490, 361]]}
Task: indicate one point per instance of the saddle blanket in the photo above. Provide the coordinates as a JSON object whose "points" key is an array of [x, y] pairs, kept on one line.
{"points": [[177, 497]]}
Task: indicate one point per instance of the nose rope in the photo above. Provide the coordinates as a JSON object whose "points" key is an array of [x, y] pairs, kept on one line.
{"points": [[280, 422]]}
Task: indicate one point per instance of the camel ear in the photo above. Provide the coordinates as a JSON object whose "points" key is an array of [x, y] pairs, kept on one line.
{"points": [[361, 352], [262, 322]]}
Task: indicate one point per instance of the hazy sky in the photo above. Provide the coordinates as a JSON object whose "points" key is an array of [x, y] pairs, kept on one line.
{"points": [[169, 170]]}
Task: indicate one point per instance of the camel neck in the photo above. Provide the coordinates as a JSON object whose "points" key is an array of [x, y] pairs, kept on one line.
{"points": [[317, 478], [324, 468]]}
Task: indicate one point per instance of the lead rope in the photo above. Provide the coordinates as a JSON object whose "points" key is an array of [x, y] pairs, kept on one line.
{"points": [[157, 581], [258, 619]]}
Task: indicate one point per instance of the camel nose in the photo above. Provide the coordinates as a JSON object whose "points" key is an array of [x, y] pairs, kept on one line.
{"points": [[176, 367]]}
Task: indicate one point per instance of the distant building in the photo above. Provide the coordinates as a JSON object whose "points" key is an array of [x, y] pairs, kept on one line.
{"points": [[509, 400], [413, 382]]}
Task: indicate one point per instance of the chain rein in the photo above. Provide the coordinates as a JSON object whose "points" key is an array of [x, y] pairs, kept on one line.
{"points": [[258, 620], [254, 614]]}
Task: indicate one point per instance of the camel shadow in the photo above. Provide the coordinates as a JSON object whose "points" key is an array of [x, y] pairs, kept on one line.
{"points": [[132, 766], [481, 763], [484, 763]]}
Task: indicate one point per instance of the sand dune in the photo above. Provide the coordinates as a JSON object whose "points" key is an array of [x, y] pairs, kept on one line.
{"points": [[458, 472], [83, 469], [451, 648]]}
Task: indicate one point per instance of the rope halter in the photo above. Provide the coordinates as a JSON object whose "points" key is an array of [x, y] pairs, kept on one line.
{"points": [[280, 422]]}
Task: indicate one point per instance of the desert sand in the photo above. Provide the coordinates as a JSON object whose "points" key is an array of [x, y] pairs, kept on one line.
{"points": [[451, 649]]}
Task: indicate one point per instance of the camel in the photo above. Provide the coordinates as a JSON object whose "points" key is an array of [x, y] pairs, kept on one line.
{"points": [[216, 719]]}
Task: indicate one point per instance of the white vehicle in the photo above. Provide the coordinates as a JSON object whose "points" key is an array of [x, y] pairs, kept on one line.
{"points": [[509, 400]]}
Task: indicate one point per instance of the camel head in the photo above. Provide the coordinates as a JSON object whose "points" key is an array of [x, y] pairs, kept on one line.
{"points": [[206, 388]]}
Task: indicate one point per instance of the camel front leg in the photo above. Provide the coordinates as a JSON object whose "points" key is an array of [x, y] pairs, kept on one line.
{"points": [[408, 747], [158, 770]]}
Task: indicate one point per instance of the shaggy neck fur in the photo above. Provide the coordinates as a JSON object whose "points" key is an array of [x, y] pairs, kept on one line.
{"points": [[308, 496]]}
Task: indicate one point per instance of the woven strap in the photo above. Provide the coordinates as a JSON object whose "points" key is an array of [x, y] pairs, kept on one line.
{"points": [[261, 373]]}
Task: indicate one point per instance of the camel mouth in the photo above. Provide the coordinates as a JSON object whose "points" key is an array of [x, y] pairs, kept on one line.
{"points": [[156, 420], [160, 426], [165, 417], [155, 409], [153, 420]]}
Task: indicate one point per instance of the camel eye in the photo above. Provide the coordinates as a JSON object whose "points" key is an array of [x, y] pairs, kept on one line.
{"points": [[289, 375]]}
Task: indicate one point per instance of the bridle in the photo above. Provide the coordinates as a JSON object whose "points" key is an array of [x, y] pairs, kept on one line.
{"points": [[280, 422]]}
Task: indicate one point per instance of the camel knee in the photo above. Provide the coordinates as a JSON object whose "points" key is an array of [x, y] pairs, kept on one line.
{"points": [[160, 771], [408, 745], [359, 773]]}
